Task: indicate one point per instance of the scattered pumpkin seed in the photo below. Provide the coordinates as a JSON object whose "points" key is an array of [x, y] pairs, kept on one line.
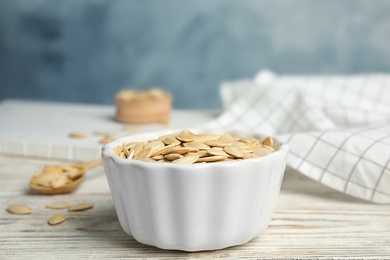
{"points": [[57, 219], [58, 205], [81, 207], [78, 135], [19, 209]]}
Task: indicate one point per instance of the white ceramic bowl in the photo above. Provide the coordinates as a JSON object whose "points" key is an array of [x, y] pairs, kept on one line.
{"points": [[194, 207]]}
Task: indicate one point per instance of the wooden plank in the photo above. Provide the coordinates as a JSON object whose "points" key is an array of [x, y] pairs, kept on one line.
{"points": [[310, 221]]}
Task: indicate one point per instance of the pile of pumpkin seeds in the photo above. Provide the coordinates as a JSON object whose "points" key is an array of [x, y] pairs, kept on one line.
{"points": [[57, 176], [188, 148]]}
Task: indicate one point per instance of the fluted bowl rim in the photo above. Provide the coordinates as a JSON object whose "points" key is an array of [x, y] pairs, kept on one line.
{"points": [[108, 149]]}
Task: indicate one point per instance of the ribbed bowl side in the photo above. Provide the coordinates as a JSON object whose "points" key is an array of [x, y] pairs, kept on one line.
{"points": [[194, 209], [113, 176]]}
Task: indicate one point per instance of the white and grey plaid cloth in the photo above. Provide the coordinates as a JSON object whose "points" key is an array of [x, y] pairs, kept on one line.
{"points": [[338, 127]]}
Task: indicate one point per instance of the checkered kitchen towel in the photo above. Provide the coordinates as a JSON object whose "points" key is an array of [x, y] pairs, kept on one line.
{"points": [[338, 127]]}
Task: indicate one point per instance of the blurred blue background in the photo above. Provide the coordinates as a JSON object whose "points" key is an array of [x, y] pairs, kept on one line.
{"points": [[87, 50]]}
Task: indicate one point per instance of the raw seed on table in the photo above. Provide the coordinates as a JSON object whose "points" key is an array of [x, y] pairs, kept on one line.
{"points": [[58, 205], [57, 219], [106, 134], [78, 135], [19, 209], [106, 140], [81, 207]]}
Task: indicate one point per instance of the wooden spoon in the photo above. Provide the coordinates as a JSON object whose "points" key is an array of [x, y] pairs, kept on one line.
{"points": [[72, 183]]}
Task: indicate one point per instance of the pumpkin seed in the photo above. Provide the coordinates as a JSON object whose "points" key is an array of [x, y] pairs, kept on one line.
{"points": [[118, 149], [78, 135], [57, 219], [197, 145], [61, 181], [268, 141], [234, 151], [19, 209], [154, 145], [170, 140], [144, 153], [215, 158], [58, 205], [217, 152], [81, 207], [185, 136], [172, 156], [187, 159]]}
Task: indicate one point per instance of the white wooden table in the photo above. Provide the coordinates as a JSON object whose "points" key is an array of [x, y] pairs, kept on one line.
{"points": [[310, 221]]}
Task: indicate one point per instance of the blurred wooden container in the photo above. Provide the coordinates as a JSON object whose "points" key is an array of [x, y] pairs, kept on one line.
{"points": [[142, 107]]}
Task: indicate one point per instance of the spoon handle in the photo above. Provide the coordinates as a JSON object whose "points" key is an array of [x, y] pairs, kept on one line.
{"points": [[90, 164]]}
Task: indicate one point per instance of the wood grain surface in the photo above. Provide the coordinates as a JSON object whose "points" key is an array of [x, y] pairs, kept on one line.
{"points": [[310, 221]]}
